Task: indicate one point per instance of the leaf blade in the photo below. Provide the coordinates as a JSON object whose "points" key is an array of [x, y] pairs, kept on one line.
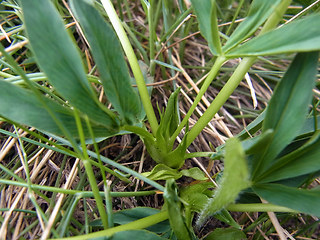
{"points": [[207, 18], [303, 200], [286, 39], [60, 60], [235, 179], [109, 58], [288, 108], [259, 11], [304, 160], [22, 106]]}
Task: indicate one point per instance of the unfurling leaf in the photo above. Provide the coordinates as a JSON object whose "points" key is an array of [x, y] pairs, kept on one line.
{"points": [[162, 172]]}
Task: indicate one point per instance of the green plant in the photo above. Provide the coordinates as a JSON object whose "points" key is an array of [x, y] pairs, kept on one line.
{"points": [[268, 165]]}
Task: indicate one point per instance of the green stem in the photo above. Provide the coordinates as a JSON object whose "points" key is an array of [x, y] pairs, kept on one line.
{"points": [[198, 154], [236, 77], [108, 199], [137, 44], [152, 37], [139, 131], [276, 16], [75, 192], [133, 63], [259, 207], [221, 98], [135, 225], [90, 173], [211, 75], [95, 190]]}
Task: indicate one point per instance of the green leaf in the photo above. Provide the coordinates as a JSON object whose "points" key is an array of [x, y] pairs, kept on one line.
{"points": [[309, 126], [207, 18], [194, 173], [22, 106], [108, 56], [303, 200], [226, 233], [58, 57], [253, 127], [177, 221], [235, 178], [289, 38], [255, 144], [162, 172], [197, 195], [225, 216], [288, 108], [170, 119], [304, 160], [259, 11], [305, 3]]}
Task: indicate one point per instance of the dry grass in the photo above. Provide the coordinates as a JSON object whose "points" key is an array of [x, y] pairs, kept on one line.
{"points": [[50, 168]]}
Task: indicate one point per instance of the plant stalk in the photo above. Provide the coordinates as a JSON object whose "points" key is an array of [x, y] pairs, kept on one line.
{"points": [[135, 225], [150, 8], [90, 173], [236, 77], [116, 23], [211, 75], [259, 207], [221, 98]]}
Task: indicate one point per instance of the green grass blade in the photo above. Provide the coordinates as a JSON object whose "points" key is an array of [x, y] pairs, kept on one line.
{"points": [[303, 200], [259, 11], [109, 58], [58, 57], [22, 106], [298, 36], [288, 107], [207, 18]]}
